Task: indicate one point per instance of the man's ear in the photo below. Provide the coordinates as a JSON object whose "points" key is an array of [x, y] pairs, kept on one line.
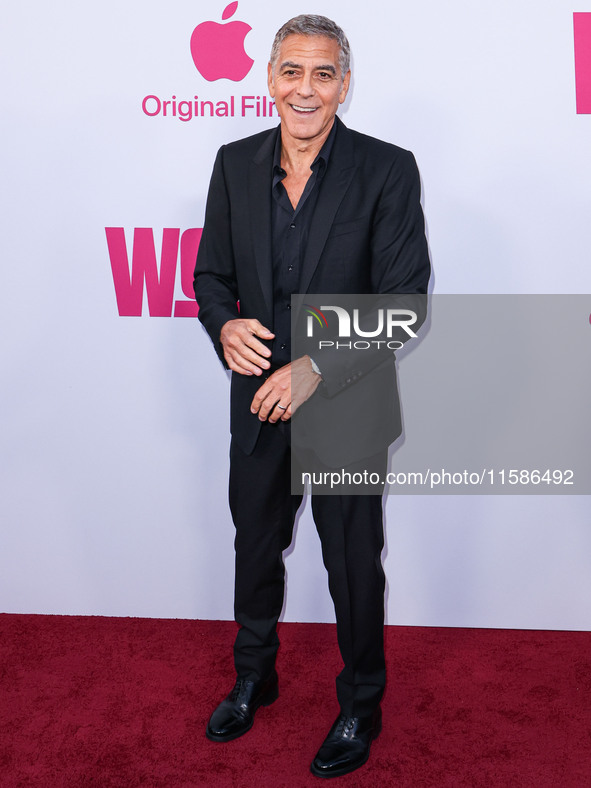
{"points": [[345, 87], [270, 81]]}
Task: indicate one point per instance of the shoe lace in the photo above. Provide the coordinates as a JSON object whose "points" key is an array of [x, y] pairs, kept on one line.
{"points": [[345, 725], [238, 688]]}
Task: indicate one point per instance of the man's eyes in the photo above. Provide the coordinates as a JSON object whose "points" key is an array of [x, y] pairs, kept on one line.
{"points": [[324, 75]]}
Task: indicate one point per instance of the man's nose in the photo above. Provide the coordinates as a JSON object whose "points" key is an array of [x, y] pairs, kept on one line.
{"points": [[305, 86]]}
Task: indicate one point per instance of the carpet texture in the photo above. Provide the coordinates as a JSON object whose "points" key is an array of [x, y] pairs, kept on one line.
{"points": [[119, 703]]}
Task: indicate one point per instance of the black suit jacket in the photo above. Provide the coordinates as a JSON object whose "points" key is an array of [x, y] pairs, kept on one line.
{"points": [[366, 236]]}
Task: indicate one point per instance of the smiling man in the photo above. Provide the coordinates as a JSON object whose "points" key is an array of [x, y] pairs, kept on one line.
{"points": [[308, 85], [308, 207]]}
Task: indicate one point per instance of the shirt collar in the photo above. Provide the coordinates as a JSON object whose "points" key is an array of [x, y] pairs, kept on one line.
{"points": [[320, 161]]}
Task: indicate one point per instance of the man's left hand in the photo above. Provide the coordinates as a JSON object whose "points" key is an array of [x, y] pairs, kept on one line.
{"points": [[285, 390]]}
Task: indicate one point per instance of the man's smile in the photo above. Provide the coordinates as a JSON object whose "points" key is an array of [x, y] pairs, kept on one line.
{"points": [[303, 109]]}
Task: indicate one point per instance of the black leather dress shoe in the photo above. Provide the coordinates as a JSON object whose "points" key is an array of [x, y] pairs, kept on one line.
{"points": [[235, 715], [346, 747]]}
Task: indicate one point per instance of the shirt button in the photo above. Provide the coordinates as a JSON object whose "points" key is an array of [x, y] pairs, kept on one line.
{"points": [[283, 346], [292, 226], [289, 306], [290, 267]]}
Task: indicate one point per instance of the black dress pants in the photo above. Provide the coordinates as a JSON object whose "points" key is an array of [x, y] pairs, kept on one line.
{"points": [[351, 534]]}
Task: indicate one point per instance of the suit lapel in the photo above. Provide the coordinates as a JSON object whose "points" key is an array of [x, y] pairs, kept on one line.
{"points": [[338, 177], [260, 175]]}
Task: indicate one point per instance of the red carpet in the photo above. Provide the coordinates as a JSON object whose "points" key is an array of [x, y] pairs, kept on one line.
{"points": [[118, 703]]}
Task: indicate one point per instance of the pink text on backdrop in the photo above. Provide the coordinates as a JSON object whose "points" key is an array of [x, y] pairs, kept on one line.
{"points": [[582, 30], [158, 278]]}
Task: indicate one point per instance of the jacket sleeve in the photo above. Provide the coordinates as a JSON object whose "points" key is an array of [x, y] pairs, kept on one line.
{"points": [[399, 254], [400, 270], [215, 275]]}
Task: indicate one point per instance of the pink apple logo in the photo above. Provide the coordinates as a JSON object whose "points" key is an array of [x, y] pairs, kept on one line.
{"points": [[218, 50]]}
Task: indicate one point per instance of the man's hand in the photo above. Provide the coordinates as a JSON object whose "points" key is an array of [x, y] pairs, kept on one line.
{"points": [[285, 390], [242, 350]]}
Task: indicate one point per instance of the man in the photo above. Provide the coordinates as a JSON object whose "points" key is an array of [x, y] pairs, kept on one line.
{"points": [[309, 207]]}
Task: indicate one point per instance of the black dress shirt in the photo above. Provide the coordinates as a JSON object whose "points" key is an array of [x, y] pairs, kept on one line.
{"points": [[290, 229]]}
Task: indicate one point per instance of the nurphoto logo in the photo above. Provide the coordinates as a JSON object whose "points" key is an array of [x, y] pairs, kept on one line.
{"points": [[385, 320]]}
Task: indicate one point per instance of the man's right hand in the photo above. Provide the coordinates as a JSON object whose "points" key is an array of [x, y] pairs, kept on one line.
{"points": [[242, 350]]}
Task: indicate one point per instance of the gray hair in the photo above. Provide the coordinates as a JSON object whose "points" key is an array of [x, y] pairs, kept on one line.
{"points": [[313, 25]]}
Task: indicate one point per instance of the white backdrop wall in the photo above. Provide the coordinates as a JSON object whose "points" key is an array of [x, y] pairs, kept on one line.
{"points": [[114, 428]]}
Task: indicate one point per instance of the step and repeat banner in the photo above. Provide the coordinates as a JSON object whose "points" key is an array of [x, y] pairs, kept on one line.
{"points": [[114, 444]]}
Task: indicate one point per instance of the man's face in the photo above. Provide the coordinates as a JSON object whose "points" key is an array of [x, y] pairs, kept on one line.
{"points": [[307, 86]]}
